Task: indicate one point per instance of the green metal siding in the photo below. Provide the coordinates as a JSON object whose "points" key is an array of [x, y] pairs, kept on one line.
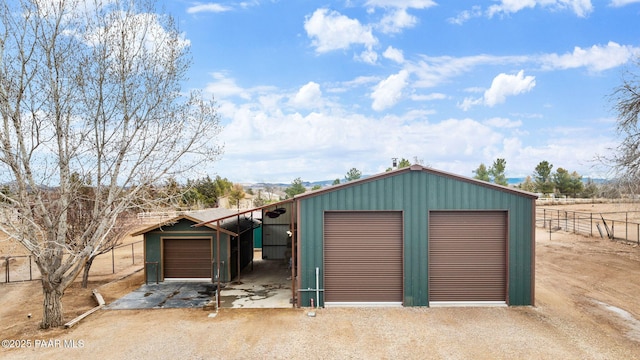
{"points": [[182, 229], [416, 193]]}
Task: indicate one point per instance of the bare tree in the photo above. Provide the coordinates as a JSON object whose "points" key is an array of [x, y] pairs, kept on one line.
{"points": [[626, 158], [90, 87]]}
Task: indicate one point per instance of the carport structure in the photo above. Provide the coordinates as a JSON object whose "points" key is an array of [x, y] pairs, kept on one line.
{"points": [[411, 237], [175, 250]]}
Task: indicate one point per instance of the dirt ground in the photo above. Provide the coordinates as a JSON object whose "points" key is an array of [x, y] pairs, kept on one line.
{"points": [[587, 307]]}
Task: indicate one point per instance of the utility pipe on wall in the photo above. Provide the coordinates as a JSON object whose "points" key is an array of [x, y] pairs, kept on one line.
{"points": [[318, 286]]}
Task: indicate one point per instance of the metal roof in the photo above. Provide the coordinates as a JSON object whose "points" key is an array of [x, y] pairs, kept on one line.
{"points": [[200, 216], [416, 167]]}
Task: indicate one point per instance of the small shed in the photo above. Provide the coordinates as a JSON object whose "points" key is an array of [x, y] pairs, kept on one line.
{"points": [[175, 249]]}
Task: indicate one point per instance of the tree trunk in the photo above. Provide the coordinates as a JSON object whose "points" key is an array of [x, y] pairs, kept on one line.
{"points": [[85, 272], [53, 313]]}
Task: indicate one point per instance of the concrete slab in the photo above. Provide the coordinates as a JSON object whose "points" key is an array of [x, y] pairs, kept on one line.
{"points": [[167, 295], [266, 285]]}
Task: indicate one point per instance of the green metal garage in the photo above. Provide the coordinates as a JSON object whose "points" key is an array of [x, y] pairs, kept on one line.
{"points": [[415, 237], [408, 237]]}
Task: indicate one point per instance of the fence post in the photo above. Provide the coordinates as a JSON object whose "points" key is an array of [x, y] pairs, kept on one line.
{"points": [[626, 226], [591, 224], [133, 259], [6, 272], [113, 261], [30, 274], [613, 224]]}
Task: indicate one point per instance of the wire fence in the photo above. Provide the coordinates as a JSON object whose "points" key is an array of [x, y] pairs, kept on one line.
{"points": [[613, 225], [17, 268]]}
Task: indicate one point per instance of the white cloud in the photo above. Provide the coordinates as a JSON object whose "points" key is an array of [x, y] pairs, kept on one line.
{"points": [[467, 103], [581, 8], [428, 97], [503, 123], [595, 58], [511, 6], [505, 85], [208, 7], [309, 96], [367, 56], [502, 86], [389, 91], [401, 4], [620, 3], [394, 54], [433, 71], [466, 15], [223, 87], [330, 30], [395, 21], [361, 81], [265, 141]]}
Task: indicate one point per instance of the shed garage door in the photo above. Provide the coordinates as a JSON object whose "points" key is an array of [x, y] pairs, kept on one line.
{"points": [[363, 257], [187, 258], [467, 256]]}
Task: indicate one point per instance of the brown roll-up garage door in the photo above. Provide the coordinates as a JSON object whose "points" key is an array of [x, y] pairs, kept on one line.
{"points": [[363, 257], [467, 256], [187, 258]]}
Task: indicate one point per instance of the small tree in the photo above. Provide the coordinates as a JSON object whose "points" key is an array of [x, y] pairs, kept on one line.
{"points": [[205, 192], [353, 174], [296, 188], [528, 185], [577, 186], [336, 182], [497, 172], [562, 181], [236, 194], [590, 189], [542, 177], [481, 173]]}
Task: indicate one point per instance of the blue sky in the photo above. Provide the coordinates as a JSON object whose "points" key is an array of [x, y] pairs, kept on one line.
{"points": [[311, 89]]}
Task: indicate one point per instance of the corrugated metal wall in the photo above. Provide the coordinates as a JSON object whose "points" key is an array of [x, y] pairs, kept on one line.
{"points": [[276, 244], [416, 192]]}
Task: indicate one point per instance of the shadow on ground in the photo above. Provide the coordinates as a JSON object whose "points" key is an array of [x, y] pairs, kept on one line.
{"points": [[263, 284]]}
